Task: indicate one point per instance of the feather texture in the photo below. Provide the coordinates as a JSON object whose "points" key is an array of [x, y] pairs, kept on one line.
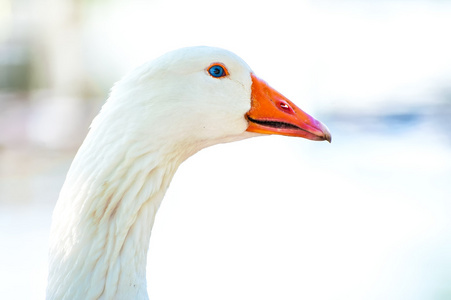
{"points": [[155, 117]]}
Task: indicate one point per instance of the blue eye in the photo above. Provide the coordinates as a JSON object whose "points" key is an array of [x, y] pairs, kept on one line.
{"points": [[217, 71]]}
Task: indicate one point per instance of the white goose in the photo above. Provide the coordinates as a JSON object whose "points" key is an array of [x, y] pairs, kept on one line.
{"points": [[155, 118]]}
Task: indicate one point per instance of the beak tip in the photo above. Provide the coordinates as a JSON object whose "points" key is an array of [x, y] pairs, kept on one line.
{"points": [[326, 132], [328, 138]]}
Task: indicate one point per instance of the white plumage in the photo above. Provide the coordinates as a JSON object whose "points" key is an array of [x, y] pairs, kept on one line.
{"points": [[155, 118]]}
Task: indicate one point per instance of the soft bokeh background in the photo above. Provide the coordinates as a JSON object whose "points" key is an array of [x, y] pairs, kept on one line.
{"points": [[366, 217]]}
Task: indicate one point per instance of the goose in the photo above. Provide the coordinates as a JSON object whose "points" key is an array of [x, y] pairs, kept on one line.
{"points": [[156, 117]]}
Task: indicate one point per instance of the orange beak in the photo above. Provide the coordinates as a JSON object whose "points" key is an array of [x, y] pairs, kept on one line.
{"points": [[272, 113]]}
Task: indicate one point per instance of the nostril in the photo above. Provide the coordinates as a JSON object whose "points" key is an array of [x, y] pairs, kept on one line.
{"points": [[286, 107]]}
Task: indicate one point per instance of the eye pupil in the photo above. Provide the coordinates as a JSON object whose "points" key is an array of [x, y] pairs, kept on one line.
{"points": [[217, 71]]}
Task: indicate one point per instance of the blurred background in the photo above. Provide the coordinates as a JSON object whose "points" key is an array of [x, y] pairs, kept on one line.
{"points": [[366, 217]]}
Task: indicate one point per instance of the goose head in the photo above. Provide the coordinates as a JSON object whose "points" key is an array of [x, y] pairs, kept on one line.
{"points": [[195, 97]]}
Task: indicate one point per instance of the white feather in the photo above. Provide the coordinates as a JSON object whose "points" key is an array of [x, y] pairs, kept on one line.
{"points": [[155, 118]]}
